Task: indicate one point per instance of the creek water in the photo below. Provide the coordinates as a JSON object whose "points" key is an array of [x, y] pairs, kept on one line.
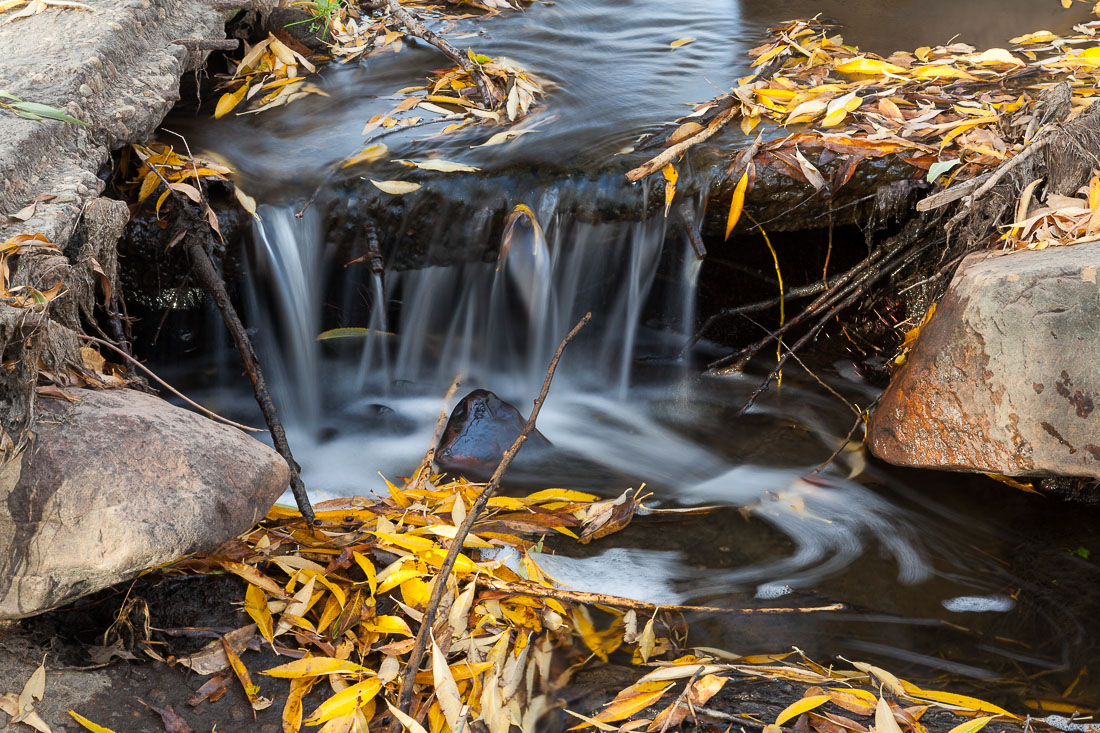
{"points": [[943, 575]]}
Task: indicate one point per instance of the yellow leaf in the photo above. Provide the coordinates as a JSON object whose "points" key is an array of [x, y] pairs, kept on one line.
{"points": [[396, 188], [148, 185], [797, 708], [961, 701], [884, 718], [940, 72], [254, 577], [502, 137], [632, 700], [415, 592], [399, 576], [671, 176], [388, 625], [255, 605], [972, 726], [1036, 37], [411, 726], [562, 495], [446, 690], [228, 101], [863, 65], [737, 203], [854, 700], [681, 42], [89, 724], [346, 701], [889, 681], [369, 570], [367, 155], [315, 667]]}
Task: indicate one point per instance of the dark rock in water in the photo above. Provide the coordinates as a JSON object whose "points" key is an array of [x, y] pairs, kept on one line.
{"points": [[481, 428]]}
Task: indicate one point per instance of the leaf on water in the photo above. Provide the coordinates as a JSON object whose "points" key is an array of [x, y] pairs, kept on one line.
{"points": [[444, 166], [801, 706], [247, 202], [737, 203], [397, 188], [229, 101], [681, 42], [368, 154], [502, 137]]}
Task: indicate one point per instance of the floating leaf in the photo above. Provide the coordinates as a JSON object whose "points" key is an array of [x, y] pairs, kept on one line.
{"points": [[397, 188], [681, 42]]}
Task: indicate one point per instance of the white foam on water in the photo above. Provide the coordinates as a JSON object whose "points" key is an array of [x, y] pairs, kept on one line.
{"points": [[979, 604]]}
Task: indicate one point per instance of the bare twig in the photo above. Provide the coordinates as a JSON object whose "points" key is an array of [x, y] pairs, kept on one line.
{"points": [[440, 586], [209, 413], [212, 282], [573, 596], [672, 153]]}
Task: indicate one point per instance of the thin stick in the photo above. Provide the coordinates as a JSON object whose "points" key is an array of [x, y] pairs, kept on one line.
{"points": [[844, 443], [672, 153], [440, 586], [212, 281], [209, 413], [429, 457], [573, 596]]}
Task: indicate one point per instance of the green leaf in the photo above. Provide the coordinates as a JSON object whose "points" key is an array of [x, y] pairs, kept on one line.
{"points": [[940, 167], [44, 111]]}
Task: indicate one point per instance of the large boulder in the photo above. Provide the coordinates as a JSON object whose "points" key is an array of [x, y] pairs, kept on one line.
{"points": [[118, 482], [1004, 377]]}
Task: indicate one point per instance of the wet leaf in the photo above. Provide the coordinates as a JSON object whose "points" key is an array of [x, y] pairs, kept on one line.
{"points": [[502, 137], [369, 154], [681, 42], [444, 166], [229, 101], [396, 188], [737, 203]]}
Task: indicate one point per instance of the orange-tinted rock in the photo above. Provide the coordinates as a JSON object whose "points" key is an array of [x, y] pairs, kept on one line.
{"points": [[1005, 377]]}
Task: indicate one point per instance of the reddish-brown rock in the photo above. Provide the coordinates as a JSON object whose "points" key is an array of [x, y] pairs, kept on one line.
{"points": [[1005, 377]]}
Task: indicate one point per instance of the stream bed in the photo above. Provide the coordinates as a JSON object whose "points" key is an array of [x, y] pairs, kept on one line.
{"points": [[944, 576]]}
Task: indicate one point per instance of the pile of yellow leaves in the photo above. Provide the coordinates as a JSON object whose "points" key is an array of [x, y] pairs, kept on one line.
{"points": [[270, 75], [949, 110], [23, 296], [341, 601], [273, 73]]}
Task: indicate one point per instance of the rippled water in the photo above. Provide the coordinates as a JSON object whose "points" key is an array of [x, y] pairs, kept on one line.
{"points": [[941, 573]]}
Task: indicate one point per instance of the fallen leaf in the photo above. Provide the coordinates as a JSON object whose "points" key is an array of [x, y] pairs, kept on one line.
{"points": [[396, 188]]}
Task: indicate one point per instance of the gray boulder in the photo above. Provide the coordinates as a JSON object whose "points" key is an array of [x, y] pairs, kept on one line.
{"points": [[1005, 377], [119, 482]]}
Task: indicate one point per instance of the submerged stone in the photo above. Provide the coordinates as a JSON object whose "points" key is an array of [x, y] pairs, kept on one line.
{"points": [[481, 428], [118, 482], [1004, 377]]}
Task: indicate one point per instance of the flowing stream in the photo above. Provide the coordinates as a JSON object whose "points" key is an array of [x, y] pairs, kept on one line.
{"points": [[941, 573]]}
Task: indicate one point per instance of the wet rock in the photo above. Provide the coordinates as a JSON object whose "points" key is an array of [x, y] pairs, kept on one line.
{"points": [[118, 482], [1003, 378], [481, 428]]}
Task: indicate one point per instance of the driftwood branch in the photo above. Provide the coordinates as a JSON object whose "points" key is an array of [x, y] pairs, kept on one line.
{"points": [[672, 153], [572, 596], [212, 282], [408, 679]]}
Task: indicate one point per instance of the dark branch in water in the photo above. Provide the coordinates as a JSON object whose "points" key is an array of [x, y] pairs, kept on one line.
{"points": [[408, 679], [210, 280], [692, 229]]}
